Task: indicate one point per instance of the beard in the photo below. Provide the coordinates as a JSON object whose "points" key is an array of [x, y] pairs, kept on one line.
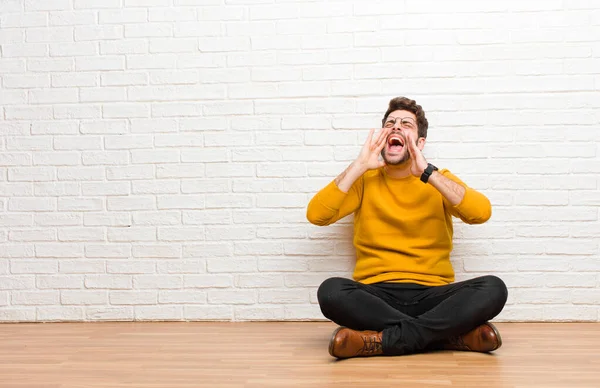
{"points": [[396, 159]]}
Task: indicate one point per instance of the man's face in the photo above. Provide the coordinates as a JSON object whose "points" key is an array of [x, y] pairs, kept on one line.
{"points": [[401, 122]]}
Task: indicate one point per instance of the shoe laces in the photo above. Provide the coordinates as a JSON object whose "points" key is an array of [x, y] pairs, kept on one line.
{"points": [[371, 344]]}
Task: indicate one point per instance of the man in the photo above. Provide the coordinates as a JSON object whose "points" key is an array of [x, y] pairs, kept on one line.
{"points": [[403, 299]]}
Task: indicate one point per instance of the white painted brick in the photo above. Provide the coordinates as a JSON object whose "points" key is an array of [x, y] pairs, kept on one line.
{"points": [[17, 315], [58, 219], [108, 219], [281, 170], [207, 250], [122, 16], [34, 298], [218, 201], [180, 202], [59, 281], [74, 79], [223, 44], [258, 248], [124, 78], [54, 128], [104, 188], [217, 233], [33, 266], [267, 313], [105, 157], [157, 218], [31, 204], [257, 186], [130, 267], [30, 50], [14, 97], [208, 313], [157, 281], [81, 266], [153, 125], [132, 234], [283, 296], [207, 281], [173, 110], [18, 282], [32, 235], [228, 265], [114, 282], [153, 61], [156, 187], [175, 77], [27, 19], [178, 14], [242, 296], [109, 314], [17, 189], [15, 159], [28, 113], [71, 18], [157, 251], [130, 172], [98, 33], [182, 267], [79, 111], [80, 204], [83, 297], [56, 158], [58, 250], [133, 297], [199, 185], [131, 202], [46, 5], [103, 94], [181, 234], [62, 313], [80, 173], [81, 234], [263, 281], [49, 34], [125, 110], [108, 250], [186, 296], [159, 313]]}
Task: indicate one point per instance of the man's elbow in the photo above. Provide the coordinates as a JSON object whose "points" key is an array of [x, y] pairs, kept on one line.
{"points": [[484, 215], [315, 219]]}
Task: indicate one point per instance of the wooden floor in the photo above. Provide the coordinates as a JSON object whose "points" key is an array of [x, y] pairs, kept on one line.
{"points": [[280, 355]]}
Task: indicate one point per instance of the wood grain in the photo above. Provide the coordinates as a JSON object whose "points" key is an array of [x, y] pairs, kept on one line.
{"points": [[291, 354]]}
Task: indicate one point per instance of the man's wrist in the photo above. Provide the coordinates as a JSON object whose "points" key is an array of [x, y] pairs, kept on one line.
{"points": [[428, 172]]}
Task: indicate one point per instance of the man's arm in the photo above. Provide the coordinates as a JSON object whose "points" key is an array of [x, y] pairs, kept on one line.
{"points": [[343, 195], [461, 201], [451, 190]]}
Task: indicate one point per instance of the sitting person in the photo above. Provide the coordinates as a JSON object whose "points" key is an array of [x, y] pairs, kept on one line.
{"points": [[403, 298]]}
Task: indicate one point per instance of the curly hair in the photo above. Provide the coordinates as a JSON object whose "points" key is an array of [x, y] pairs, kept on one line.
{"points": [[403, 103]]}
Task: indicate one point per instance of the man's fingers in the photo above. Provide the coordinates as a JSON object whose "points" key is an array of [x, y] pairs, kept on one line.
{"points": [[370, 137]]}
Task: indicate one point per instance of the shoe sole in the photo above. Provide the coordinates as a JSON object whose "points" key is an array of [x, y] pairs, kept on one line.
{"points": [[331, 341], [491, 325]]}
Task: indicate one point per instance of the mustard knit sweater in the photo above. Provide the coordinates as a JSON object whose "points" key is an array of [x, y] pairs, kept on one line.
{"points": [[402, 227]]}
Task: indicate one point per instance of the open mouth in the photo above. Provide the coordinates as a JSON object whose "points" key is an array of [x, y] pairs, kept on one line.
{"points": [[395, 143]]}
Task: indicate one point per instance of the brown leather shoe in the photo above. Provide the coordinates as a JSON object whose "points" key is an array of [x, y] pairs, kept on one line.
{"points": [[346, 343], [484, 338]]}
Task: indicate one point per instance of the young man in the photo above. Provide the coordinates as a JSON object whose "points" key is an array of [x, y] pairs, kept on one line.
{"points": [[403, 299]]}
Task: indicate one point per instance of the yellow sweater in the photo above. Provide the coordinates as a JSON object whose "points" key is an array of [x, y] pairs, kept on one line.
{"points": [[402, 227]]}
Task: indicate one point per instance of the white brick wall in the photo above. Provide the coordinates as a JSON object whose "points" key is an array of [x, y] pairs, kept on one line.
{"points": [[157, 156]]}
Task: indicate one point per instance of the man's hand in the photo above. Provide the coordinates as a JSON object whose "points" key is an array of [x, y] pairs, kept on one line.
{"points": [[368, 159], [419, 163]]}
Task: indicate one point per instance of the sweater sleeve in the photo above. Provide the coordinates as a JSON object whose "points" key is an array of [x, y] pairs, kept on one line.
{"points": [[331, 204], [475, 208]]}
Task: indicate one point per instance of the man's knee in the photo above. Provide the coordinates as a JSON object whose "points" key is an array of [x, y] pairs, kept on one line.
{"points": [[329, 291], [497, 290]]}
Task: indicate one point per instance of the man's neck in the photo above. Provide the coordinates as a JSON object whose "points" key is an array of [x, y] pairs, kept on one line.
{"points": [[398, 171]]}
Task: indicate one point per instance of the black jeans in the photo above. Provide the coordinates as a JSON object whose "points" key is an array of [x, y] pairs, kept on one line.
{"points": [[413, 317]]}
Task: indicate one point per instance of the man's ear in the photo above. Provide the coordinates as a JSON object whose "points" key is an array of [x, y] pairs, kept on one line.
{"points": [[421, 143]]}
